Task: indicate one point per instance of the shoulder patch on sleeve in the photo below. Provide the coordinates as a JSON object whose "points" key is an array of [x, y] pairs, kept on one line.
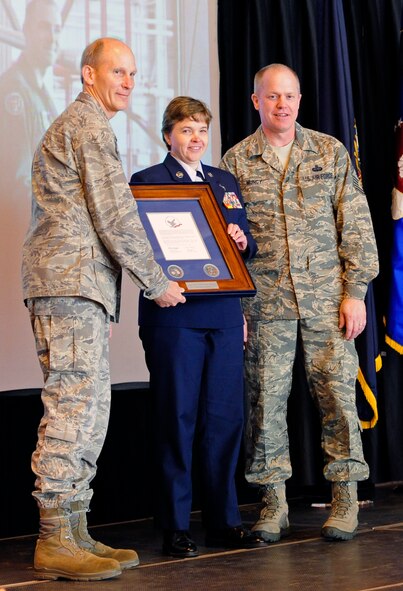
{"points": [[357, 184], [14, 104]]}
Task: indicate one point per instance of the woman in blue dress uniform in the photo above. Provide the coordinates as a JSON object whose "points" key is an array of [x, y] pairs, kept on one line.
{"points": [[194, 353]]}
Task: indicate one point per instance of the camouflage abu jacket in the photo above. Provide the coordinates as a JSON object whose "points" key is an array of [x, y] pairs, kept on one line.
{"points": [[85, 225], [312, 225]]}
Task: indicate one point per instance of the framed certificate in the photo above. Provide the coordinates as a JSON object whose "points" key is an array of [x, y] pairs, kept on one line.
{"points": [[188, 234]]}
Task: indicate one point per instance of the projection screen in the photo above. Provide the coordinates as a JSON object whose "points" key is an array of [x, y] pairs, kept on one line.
{"points": [[174, 42]]}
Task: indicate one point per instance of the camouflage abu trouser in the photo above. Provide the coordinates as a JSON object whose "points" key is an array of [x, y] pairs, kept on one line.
{"points": [[331, 365], [72, 341]]}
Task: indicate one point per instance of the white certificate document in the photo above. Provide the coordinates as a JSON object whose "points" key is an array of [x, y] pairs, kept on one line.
{"points": [[178, 236]]}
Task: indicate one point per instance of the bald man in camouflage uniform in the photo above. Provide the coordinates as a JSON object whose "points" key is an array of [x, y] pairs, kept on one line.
{"points": [[85, 229], [316, 255]]}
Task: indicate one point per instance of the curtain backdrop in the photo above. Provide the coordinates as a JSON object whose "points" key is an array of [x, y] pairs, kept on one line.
{"points": [[254, 33]]}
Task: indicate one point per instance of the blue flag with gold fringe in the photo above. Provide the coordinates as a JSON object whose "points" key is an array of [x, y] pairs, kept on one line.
{"points": [[336, 117], [394, 319]]}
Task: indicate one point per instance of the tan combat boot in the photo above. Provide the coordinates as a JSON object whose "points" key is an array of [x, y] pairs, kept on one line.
{"points": [[57, 555], [273, 521], [78, 519], [343, 519]]}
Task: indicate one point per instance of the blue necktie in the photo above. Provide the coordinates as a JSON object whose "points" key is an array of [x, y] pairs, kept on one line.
{"points": [[200, 175]]}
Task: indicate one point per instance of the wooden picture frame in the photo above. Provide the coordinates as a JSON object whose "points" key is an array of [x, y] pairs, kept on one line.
{"points": [[188, 234]]}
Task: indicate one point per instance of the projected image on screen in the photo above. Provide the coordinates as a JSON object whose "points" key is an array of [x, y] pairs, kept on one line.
{"points": [[41, 42]]}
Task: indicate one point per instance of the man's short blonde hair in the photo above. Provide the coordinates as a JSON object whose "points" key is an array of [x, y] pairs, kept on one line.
{"points": [[259, 75]]}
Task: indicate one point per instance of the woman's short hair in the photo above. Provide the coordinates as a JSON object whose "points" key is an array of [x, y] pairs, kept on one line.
{"points": [[184, 107]]}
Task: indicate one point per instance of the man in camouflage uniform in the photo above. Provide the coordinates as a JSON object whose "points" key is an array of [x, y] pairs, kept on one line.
{"points": [[85, 229], [316, 256]]}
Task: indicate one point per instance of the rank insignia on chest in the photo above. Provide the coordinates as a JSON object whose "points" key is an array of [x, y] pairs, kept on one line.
{"points": [[231, 201]]}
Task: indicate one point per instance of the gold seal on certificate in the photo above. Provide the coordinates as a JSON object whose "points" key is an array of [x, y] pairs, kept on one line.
{"points": [[175, 271], [211, 270]]}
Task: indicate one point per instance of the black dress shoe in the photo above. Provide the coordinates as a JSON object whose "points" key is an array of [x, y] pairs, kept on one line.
{"points": [[234, 537], [179, 544]]}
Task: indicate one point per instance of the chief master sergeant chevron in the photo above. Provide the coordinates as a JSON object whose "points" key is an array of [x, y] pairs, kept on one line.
{"points": [[316, 256], [84, 230]]}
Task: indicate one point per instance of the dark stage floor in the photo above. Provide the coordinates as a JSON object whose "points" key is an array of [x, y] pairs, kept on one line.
{"points": [[302, 562]]}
